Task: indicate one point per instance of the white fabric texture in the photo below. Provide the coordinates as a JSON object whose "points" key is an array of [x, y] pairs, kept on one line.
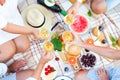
{"points": [[3, 22], [3, 69], [31, 78], [9, 13]]}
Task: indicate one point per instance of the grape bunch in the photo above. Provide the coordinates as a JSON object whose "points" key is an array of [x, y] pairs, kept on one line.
{"points": [[88, 60]]}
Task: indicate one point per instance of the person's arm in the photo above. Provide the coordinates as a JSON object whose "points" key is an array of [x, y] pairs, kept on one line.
{"points": [[45, 57], [17, 29], [103, 51], [74, 8], [36, 74]]}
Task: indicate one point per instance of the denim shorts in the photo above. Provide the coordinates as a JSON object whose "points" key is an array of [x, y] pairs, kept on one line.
{"points": [[114, 74], [12, 76]]}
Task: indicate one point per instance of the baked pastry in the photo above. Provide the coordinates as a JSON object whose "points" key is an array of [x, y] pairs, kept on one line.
{"points": [[67, 36], [44, 33], [74, 50], [95, 31], [48, 46]]}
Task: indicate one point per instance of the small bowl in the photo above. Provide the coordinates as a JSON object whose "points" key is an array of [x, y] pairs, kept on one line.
{"points": [[79, 20]]}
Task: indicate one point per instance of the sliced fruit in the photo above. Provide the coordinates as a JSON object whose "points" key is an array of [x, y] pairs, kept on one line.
{"points": [[80, 25], [89, 41], [72, 60], [48, 46]]}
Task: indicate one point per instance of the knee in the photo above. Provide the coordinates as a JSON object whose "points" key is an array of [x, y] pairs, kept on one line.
{"points": [[7, 55], [98, 7]]}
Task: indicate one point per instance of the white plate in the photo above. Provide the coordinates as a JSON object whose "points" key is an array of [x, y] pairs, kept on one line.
{"points": [[63, 78]]}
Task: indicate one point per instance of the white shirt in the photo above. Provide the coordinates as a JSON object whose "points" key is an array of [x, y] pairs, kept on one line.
{"points": [[9, 14]]}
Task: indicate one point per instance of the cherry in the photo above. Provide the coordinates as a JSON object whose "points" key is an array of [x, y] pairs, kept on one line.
{"points": [[57, 59]]}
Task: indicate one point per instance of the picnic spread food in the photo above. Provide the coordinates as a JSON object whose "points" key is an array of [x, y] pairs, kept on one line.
{"points": [[89, 41], [44, 33], [95, 31], [72, 60], [118, 41], [49, 73], [48, 46], [74, 50], [88, 60], [69, 19], [80, 25], [67, 36]]}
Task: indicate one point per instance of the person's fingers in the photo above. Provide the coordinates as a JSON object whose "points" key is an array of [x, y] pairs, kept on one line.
{"points": [[98, 71], [103, 70], [51, 55], [69, 11]]}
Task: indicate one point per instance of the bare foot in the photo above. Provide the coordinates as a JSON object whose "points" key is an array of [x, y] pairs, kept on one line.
{"points": [[102, 74], [14, 67]]}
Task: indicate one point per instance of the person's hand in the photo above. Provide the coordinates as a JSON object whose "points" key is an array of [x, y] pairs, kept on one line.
{"points": [[102, 74], [35, 33], [47, 56], [74, 8], [77, 40]]}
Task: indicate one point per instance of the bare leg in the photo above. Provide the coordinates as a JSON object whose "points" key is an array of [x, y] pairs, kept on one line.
{"points": [[7, 50], [98, 6], [22, 43], [23, 75], [14, 67], [81, 75]]}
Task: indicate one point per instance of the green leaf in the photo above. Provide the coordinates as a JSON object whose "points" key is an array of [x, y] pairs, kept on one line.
{"points": [[112, 39], [55, 35], [57, 44], [50, 1], [89, 13], [53, 70]]}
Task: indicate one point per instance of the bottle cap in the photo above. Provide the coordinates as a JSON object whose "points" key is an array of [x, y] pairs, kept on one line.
{"points": [[63, 12]]}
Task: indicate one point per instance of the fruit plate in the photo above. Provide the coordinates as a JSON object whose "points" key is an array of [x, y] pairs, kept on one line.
{"points": [[81, 25], [63, 77], [49, 72]]}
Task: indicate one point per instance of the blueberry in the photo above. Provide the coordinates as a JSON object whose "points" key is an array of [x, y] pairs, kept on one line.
{"points": [[101, 28], [66, 69], [104, 41], [86, 50]]}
